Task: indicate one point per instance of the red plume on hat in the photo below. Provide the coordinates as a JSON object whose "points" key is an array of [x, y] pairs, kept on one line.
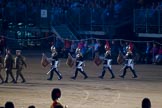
{"points": [[131, 46], [107, 45]]}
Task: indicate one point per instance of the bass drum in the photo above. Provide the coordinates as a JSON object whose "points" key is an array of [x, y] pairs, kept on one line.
{"points": [[70, 61], [44, 61], [120, 58], [97, 60]]}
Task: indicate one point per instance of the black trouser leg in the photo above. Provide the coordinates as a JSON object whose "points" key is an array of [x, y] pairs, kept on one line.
{"points": [[112, 74], [124, 71], [22, 77], [103, 73], [11, 74], [17, 75], [7, 74], [1, 78], [51, 74], [134, 73], [75, 74], [85, 75], [58, 73]]}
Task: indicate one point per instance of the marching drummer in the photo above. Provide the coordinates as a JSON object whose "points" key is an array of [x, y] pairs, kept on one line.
{"points": [[54, 64], [79, 65], [107, 64], [129, 63]]}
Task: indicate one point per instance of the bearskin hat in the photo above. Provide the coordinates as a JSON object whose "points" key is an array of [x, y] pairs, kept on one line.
{"points": [[107, 45], [56, 93], [146, 103]]}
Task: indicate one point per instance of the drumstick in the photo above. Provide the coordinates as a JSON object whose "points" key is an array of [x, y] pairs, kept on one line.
{"points": [[49, 71], [122, 68]]}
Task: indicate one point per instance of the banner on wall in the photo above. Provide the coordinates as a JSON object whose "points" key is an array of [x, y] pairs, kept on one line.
{"points": [[150, 35], [43, 13]]}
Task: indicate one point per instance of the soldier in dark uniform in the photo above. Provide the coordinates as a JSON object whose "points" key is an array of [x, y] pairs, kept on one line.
{"points": [[1, 66], [19, 63], [56, 95], [8, 65], [79, 65], [107, 64], [129, 64], [54, 64]]}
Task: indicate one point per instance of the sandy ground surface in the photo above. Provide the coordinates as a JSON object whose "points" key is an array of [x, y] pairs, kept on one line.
{"points": [[90, 93]]}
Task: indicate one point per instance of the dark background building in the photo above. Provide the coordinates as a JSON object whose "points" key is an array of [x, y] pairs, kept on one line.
{"points": [[35, 23]]}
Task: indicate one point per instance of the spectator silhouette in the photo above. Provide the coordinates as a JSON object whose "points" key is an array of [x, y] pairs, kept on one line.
{"points": [[158, 57], [154, 52], [148, 53], [31, 106], [9, 104], [146, 103], [8, 65]]}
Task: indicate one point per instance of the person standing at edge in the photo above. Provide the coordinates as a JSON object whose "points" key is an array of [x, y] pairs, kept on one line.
{"points": [[19, 63], [8, 65], [1, 66]]}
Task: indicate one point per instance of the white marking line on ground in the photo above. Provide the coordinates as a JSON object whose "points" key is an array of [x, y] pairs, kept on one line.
{"points": [[83, 99], [87, 95], [116, 99]]}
